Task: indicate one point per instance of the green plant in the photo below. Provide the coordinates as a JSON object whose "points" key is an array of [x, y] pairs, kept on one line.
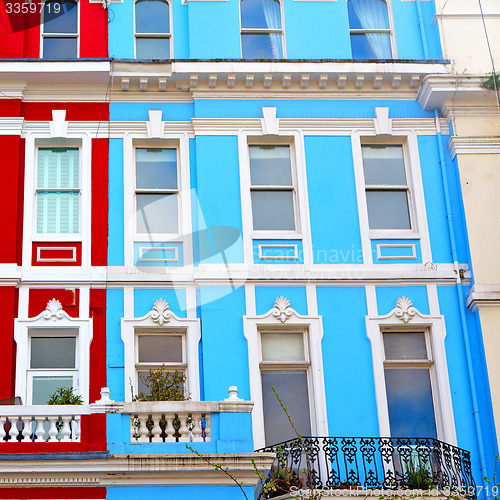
{"points": [[492, 82], [65, 396], [163, 385], [418, 479]]}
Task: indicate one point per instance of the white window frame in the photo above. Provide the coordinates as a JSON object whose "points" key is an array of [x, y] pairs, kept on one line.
{"points": [[189, 327], [390, 30], [79, 190], [294, 322], [48, 323], [416, 199], [168, 35], [131, 141], [265, 31], [61, 35], [434, 326]]}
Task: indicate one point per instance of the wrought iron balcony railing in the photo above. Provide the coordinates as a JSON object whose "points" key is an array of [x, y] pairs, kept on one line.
{"points": [[370, 463]]}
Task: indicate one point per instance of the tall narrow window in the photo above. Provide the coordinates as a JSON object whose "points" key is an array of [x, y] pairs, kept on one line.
{"points": [[58, 191], [369, 29], [60, 29], [152, 29], [272, 188], [261, 31], [52, 364], [407, 366], [156, 350], [157, 193], [387, 192], [285, 366]]}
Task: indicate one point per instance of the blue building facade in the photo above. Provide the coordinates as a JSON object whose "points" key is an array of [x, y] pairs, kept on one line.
{"points": [[284, 213]]}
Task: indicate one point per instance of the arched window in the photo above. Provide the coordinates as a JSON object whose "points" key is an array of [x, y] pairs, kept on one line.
{"points": [[261, 29], [60, 29], [152, 29], [369, 29]]}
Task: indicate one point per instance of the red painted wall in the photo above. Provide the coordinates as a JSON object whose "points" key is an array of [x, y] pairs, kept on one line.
{"points": [[99, 243], [20, 203], [54, 492], [69, 299], [98, 346], [8, 301], [75, 111]]}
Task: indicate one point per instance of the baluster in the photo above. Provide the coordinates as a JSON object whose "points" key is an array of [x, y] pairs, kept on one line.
{"points": [[143, 429], [169, 428], [26, 432], [75, 429], [3, 433], [65, 431], [208, 428], [183, 429], [40, 429], [196, 430], [156, 429], [53, 432], [134, 423]]}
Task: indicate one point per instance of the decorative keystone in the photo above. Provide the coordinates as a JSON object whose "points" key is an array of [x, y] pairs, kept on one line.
{"points": [[404, 309], [53, 310], [233, 394], [161, 313], [282, 310]]}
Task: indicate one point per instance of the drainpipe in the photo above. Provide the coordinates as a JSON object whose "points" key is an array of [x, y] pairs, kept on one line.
{"points": [[422, 29], [465, 330]]}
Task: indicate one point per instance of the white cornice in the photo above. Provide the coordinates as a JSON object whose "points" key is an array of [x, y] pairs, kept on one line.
{"points": [[460, 145], [483, 296], [11, 126]]}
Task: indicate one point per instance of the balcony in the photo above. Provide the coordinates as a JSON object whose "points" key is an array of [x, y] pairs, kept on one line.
{"points": [[371, 463]]}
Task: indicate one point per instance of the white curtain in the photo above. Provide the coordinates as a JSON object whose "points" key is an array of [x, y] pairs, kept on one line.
{"points": [[272, 12], [372, 14]]}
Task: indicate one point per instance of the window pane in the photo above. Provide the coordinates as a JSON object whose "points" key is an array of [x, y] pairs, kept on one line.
{"points": [[270, 166], [58, 168], [388, 210], [371, 46], [141, 386], [405, 345], [273, 210], [44, 387], [160, 348], [152, 48], [157, 213], [384, 165], [60, 48], [291, 386], [264, 46], [282, 347], [260, 14], [151, 16], [409, 397], [60, 17], [156, 168], [57, 213], [53, 352], [367, 14]]}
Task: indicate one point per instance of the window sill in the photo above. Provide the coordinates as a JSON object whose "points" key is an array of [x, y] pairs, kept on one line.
{"points": [[276, 235], [57, 237], [394, 234]]}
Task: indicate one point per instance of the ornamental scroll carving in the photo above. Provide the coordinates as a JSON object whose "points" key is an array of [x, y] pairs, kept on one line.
{"points": [[404, 309], [53, 310], [161, 312], [281, 309]]}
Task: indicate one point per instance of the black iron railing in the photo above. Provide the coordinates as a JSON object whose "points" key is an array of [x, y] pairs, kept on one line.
{"points": [[372, 463]]}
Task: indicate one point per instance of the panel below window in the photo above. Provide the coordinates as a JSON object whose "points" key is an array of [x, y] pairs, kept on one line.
{"points": [[278, 252]]}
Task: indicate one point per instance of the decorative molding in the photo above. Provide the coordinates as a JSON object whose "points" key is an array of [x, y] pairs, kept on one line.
{"points": [[404, 309], [282, 309], [483, 296], [160, 313], [270, 124], [382, 122], [381, 246], [54, 310], [473, 145], [58, 126], [155, 125]]}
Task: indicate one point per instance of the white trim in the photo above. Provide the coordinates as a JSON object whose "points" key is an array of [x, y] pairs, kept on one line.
{"points": [[189, 327], [396, 257], [473, 145], [262, 247], [152, 249], [47, 322], [271, 321], [435, 324], [40, 259]]}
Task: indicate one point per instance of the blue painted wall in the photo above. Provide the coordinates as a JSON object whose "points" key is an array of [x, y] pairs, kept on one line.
{"points": [[114, 345], [144, 299], [115, 212], [388, 295], [266, 295], [177, 492]]}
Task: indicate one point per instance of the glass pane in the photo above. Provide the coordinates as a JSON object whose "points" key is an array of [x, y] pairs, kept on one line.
{"points": [[273, 210], [141, 386], [156, 168], [371, 46], [44, 387], [58, 168], [291, 386], [405, 345], [270, 166], [367, 14], [152, 48], [60, 17], [260, 14], [388, 210], [53, 352], [160, 348], [384, 165], [152, 16], [157, 213], [57, 213], [282, 347], [60, 48], [264, 46], [409, 397]]}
